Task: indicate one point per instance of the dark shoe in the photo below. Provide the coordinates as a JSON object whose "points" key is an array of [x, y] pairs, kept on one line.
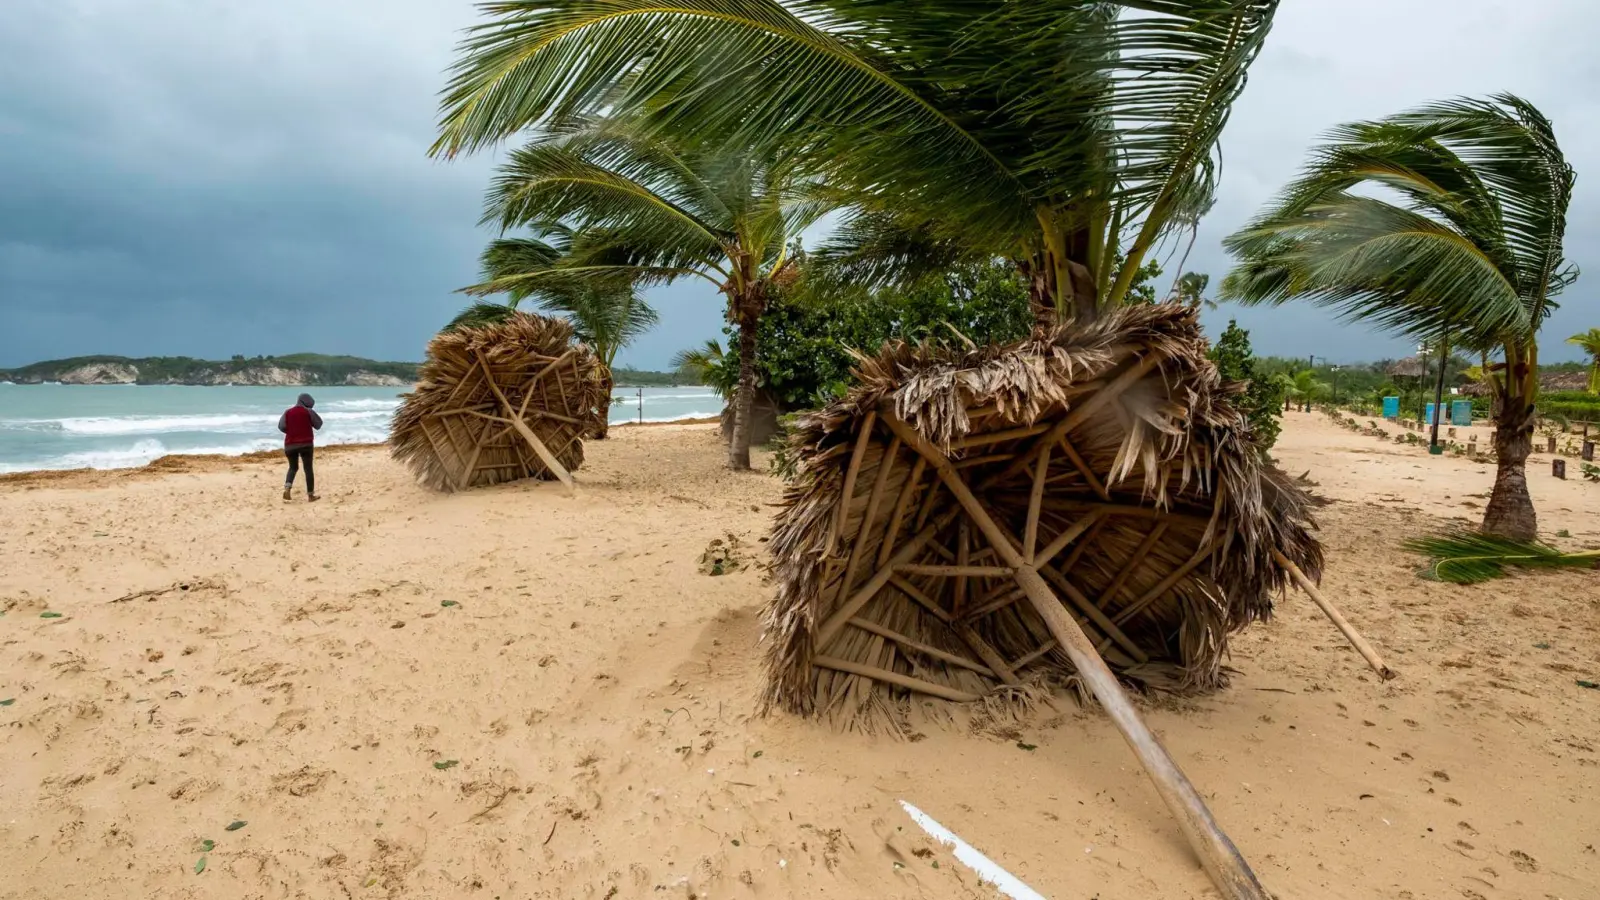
{"points": [[313, 497], [286, 493]]}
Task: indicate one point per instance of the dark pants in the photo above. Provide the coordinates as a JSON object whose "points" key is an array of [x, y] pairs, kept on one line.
{"points": [[299, 456]]}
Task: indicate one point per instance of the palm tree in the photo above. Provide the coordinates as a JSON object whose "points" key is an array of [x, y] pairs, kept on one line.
{"points": [[1304, 388], [1590, 342], [709, 365], [1069, 137], [606, 314], [1470, 244], [644, 211], [1190, 290]]}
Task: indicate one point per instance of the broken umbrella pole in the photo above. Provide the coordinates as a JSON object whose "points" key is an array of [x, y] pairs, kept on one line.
{"points": [[1221, 859], [1350, 634]]}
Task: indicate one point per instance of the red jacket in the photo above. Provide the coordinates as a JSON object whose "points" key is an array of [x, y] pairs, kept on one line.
{"points": [[298, 426]]}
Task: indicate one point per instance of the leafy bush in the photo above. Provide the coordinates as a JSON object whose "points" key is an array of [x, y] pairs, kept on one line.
{"points": [[810, 326], [1262, 402]]}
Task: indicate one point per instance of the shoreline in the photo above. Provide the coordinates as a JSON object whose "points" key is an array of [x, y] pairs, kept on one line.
{"points": [[191, 462]]}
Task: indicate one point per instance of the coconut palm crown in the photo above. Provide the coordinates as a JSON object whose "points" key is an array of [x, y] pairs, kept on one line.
{"points": [[1068, 136], [1444, 221]]}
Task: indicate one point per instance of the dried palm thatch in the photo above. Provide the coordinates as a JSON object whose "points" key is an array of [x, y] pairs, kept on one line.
{"points": [[500, 402], [1107, 458]]}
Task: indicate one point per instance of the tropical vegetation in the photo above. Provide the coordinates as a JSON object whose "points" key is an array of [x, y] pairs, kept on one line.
{"points": [[1069, 138], [608, 314], [1590, 342], [637, 210], [1262, 401], [1463, 240]]}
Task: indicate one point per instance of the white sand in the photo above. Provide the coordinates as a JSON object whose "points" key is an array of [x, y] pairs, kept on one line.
{"points": [[597, 693]]}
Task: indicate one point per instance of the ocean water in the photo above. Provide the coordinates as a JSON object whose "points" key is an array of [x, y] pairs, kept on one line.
{"points": [[52, 426]]}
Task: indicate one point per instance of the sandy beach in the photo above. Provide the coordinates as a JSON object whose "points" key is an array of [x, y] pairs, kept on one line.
{"points": [[517, 693]]}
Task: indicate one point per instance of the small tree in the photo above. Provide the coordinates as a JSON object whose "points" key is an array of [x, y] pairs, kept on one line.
{"points": [[1590, 342], [1262, 402]]}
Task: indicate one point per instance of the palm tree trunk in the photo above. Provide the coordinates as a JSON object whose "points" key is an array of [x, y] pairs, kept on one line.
{"points": [[1510, 512], [747, 315], [607, 382]]}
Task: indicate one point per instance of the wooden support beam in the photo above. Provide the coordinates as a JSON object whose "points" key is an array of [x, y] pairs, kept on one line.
{"points": [[530, 384], [922, 600], [988, 654], [895, 678], [1008, 594], [864, 530], [1222, 861], [973, 461], [847, 495], [462, 381], [1083, 545], [1033, 656], [1096, 615], [1150, 596], [958, 595], [1030, 533], [1067, 536], [1083, 468], [901, 505], [1339, 621], [954, 571], [830, 629], [995, 437], [925, 649], [1109, 596], [472, 461], [548, 458]]}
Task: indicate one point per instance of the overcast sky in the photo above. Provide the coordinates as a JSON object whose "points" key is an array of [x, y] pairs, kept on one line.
{"points": [[210, 177]]}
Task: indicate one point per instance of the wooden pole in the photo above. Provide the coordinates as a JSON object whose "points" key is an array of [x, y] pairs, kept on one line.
{"points": [[1350, 634], [1228, 870], [888, 677], [848, 494], [1082, 466], [1030, 532], [886, 548], [850, 607]]}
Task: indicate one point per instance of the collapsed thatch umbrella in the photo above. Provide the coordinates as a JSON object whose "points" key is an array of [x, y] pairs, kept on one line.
{"points": [[968, 522], [500, 402]]}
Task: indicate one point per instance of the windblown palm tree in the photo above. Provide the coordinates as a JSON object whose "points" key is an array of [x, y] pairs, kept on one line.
{"points": [[644, 211], [709, 365], [1468, 243], [1305, 389], [1590, 342], [1067, 136], [1190, 290], [606, 314]]}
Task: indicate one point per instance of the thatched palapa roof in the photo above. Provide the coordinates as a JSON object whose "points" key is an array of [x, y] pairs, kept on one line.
{"points": [[500, 402], [1107, 458]]}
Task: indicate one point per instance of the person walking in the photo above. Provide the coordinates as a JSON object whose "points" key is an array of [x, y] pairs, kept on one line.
{"points": [[299, 424]]}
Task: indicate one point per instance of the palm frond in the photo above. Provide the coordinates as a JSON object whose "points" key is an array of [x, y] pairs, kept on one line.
{"points": [[480, 314], [1472, 247], [1468, 557]]}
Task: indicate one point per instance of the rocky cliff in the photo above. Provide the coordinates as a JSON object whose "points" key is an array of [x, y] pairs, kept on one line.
{"points": [[300, 370]]}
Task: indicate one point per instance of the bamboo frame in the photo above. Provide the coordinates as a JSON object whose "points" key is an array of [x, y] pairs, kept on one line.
{"points": [[545, 456], [1354, 637], [889, 677], [1222, 861]]}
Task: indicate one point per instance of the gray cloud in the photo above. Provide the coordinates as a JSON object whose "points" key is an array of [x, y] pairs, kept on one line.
{"points": [[207, 177]]}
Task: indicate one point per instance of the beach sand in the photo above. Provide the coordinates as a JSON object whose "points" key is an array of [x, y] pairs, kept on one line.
{"points": [[578, 721]]}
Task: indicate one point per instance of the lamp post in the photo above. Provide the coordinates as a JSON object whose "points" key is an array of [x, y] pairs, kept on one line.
{"points": [[1336, 369]]}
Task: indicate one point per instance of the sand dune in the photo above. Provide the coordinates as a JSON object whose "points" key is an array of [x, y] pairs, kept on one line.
{"points": [[514, 693]]}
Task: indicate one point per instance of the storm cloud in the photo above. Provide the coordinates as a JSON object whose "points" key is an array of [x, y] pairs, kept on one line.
{"points": [[209, 177]]}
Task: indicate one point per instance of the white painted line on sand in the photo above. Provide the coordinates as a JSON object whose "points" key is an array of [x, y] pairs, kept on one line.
{"points": [[987, 869]]}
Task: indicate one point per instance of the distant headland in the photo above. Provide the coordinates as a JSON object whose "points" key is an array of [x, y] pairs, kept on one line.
{"points": [[295, 369]]}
